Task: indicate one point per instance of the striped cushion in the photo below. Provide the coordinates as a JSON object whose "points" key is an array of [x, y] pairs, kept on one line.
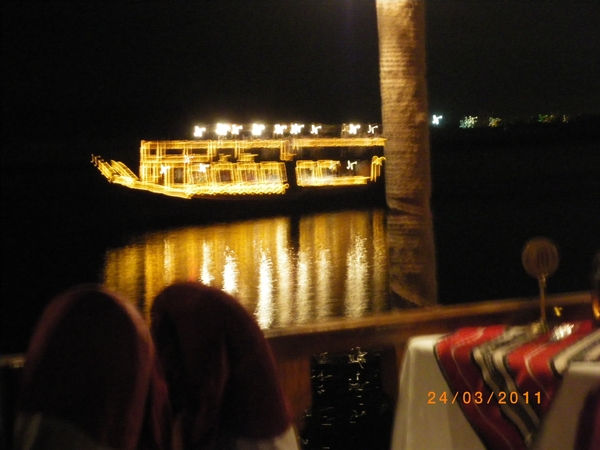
{"points": [[504, 378]]}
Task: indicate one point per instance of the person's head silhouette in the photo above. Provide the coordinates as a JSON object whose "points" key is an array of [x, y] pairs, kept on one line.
{"points": [[221, 374], [91, 377]]}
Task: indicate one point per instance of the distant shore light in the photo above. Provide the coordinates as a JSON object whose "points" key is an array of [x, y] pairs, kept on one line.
{"points": [[469, 122]]}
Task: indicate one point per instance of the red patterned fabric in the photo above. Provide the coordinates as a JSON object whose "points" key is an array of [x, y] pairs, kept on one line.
{"points": [[504, 378]]}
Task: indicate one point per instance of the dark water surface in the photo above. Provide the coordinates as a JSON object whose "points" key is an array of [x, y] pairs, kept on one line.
{"points": [[63, 224]]}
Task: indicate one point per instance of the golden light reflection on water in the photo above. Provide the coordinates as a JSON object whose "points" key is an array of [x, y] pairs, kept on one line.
{"points": [[285, 271]]}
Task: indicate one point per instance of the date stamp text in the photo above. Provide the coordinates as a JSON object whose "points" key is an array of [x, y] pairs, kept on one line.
{"points": [[478, 398]]}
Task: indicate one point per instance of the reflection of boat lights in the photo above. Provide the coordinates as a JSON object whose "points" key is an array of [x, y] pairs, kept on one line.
{"points": [[378, 264], [323, 283], [205, 275], [296, 128], [169, 266], [285, 284], [305, 276], [257, 129], [199, 131], [230, 272], [303, 283], [356, 279], [264, 312]]}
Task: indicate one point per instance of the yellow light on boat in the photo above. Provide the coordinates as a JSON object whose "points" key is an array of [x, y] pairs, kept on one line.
{"points": [[222, 129], [353, 128], [279, 129], [296, 128], [199, 131], [200, 168], [372, 128], [257, 129]]}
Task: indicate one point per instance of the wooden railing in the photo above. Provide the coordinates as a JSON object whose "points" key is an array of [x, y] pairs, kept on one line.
{"points": [[388, 333]]}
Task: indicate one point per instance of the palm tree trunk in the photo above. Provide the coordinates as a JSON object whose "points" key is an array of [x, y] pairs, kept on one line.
{"points": [[401, 27]]}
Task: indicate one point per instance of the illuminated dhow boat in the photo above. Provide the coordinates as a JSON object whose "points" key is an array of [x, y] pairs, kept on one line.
{"points": [[228, 162]]}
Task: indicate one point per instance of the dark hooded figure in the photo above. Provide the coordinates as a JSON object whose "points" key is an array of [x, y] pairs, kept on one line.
{"points": [[223, 385], [91, 378]]}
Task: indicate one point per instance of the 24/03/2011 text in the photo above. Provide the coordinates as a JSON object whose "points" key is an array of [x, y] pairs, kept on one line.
{"points": [[478, 397]]}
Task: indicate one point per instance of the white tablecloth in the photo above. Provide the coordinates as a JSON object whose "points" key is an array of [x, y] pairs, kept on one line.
{"points": [[558, 430], [419, 425]]}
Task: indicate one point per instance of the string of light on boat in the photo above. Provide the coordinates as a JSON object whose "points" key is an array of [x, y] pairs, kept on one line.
{"points": [[258, 130], [230, 159]]}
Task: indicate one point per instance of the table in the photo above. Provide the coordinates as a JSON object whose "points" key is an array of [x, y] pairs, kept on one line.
{"points": [[428, 418], [558, 430], [418, 424]]}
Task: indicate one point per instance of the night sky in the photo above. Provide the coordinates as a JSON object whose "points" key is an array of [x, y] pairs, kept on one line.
{"points": [[76, 74], [151, 70]]}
